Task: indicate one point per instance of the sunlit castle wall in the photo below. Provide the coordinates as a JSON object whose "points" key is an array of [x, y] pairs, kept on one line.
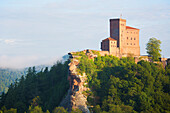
{"points": [[127, 37]]}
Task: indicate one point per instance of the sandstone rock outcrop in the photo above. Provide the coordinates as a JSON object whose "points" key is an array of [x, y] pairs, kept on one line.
{"points": [[75, 98]]}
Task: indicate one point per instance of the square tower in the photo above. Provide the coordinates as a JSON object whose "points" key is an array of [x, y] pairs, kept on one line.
{"points": [[117, 28], [110, 45]]}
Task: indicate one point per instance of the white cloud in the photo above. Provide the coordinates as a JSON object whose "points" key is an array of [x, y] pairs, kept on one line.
{"points": [[10, 41], [25, 61], [17, 61]]}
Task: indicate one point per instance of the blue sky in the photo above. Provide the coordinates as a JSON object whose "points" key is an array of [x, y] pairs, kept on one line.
{"points": [[34, 32]]}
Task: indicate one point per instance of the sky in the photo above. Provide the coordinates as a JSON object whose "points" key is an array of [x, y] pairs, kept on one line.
{"points": [[35, 32]]}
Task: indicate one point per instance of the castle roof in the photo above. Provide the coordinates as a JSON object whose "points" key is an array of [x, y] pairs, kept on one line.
{"points": [[109, 39], [128, 27]]}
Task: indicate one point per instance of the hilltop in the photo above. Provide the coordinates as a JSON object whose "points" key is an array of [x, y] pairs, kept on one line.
{"points": [[106, 83]]}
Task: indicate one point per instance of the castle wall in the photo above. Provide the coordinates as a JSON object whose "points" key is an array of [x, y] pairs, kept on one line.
{"points": [[131, 45], [103, 53], [122, 34], [113, 47], [127, 37], [105, 45]]}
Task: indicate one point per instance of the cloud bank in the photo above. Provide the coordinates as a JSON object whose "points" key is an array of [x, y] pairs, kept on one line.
{"points": [[25, 61]]}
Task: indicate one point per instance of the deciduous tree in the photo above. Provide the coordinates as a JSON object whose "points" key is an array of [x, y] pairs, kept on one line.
{"points": [[153, 48]]}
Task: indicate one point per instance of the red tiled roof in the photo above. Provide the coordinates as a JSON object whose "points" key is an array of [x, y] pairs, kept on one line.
{"points": [[109, 39], [128, 27]]}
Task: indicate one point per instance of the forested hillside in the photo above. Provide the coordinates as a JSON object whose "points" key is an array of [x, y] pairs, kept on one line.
{"points": [[121, 86], [117, 86], [45, 88], [8, 76]]}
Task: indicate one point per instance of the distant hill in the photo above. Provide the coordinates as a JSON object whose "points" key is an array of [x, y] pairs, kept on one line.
{"points": [[47, 87], [8, 76]]}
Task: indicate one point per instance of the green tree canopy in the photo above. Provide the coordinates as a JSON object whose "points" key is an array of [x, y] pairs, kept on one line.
{"points": [[153, 48]]}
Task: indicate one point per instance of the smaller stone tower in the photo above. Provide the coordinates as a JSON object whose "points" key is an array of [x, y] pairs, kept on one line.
{"points": [[110, 44]]}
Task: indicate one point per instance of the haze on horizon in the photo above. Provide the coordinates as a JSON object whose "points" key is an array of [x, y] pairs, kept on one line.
{"points": [[38, 32]]}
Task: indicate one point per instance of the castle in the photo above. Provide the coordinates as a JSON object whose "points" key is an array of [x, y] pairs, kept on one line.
{"points": [[123, 40]]}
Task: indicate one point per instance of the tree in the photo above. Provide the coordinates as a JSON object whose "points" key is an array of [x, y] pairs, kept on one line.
{"points": [[76, 111], [153, 48], [36, 109], [60, 110]]}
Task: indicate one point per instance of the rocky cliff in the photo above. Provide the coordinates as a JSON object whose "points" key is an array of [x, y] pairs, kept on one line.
{"points": [[75, 97]]}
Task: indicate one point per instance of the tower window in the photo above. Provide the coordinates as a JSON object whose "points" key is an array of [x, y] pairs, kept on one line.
{"points": [[131, 44], [127, 37], [134, 38], [131, 38], [134, 43], [127, 43]]}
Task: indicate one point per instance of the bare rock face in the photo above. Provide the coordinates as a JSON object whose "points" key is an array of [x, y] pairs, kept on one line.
{"points": [[75, 99]]}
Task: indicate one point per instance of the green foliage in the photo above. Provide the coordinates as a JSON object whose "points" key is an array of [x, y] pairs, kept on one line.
{"points": [[120, 85], [96, 52], [11, 110], [60, 110], [76, 111], [97, 109], [8, 76], [44, 89], [86, 65], [36, 109], [153, 48], [81, 53], [117, 86]]}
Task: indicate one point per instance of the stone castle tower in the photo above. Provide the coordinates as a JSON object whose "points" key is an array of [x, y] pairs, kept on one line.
{"points": [[123, 40]]}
